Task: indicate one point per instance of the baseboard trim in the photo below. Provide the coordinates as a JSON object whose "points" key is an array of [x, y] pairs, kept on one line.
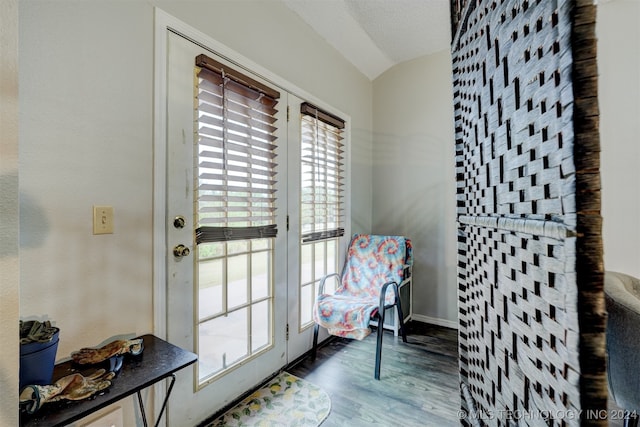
{"points": [[435, 321]]}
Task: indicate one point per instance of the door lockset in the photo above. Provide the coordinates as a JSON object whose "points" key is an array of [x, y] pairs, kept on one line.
{"points": [[180, 251], [179, 222]]}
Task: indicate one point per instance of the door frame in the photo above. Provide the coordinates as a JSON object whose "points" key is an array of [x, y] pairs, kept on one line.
{"points": [[163, 23]]}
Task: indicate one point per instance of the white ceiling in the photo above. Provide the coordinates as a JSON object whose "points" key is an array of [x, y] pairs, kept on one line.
{"points": [[375, 35]]}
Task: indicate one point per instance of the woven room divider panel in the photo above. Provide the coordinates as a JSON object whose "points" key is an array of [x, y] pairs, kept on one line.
{"points": [[530, 272]]}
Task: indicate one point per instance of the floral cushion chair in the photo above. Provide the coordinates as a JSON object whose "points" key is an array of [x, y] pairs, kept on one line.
{"points": [[374, 269]]}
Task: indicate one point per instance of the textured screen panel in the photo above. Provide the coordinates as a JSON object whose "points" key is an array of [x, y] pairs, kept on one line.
{"points": [[530, 267]]}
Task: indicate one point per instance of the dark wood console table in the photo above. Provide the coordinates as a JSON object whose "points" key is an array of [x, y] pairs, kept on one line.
{"points": [[158, 361]]}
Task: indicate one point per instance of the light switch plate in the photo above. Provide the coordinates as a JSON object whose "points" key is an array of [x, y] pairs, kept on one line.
{"points": [[103, 220]]}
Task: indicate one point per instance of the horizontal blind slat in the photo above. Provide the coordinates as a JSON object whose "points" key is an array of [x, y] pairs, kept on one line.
{"points": [[236, 127], [214, 138], [240, 159], [254, 149], [205, 234], [322, 176], [234, 188], [237, 179], [259, 132], [245, 113]]}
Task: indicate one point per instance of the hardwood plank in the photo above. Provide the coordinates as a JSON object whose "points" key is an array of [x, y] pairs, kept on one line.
{"points": [[418, 381]]}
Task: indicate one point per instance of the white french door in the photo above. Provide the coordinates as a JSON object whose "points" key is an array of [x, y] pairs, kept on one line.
{"points": [[226, 300]]}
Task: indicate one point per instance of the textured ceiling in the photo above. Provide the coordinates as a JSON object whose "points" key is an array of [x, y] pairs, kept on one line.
{"points": [[378, 34]]}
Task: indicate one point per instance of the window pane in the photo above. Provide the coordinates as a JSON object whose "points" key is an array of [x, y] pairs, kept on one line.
{"points": [[306, 267], [210, 250], [259, 275], [306, 304], [260, 244], [237, 280], [319, 260], [236, 144], [331, 285], [321, 175], [237, 246], [210, 276], [222, 342], [331, 256], [321, 180], [260, 326], [235, 177]]}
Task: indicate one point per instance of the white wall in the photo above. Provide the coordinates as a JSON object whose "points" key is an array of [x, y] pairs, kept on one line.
{"points": [[86, 103], [9, 219], [618, 32], [85, 139], [414, 176]]}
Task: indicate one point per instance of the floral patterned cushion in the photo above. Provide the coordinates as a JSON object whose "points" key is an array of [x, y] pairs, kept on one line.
{"points": [[372, 261]]}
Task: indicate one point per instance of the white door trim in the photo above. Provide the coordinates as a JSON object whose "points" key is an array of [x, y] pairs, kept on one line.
{"points": [[159, 175]]}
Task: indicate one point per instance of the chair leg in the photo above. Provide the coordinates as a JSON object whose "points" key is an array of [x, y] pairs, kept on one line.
{"points": [[379, 343], [315, 341], [400, 316]]}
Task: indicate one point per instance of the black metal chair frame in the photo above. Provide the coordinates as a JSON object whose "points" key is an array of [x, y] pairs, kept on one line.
{"points": [[379, 316]]}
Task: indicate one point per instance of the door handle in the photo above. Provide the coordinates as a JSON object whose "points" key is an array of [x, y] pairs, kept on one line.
{"points": [[180, 251]]}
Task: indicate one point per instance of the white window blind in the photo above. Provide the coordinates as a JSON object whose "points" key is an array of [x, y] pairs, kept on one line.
{"points": [[322, 177], [236, 144]]}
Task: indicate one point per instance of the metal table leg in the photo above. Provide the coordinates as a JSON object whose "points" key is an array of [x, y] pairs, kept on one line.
{"points": [[164, 403]]}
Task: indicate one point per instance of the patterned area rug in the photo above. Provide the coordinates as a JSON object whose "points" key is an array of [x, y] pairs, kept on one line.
{"points": [[285, 401]]}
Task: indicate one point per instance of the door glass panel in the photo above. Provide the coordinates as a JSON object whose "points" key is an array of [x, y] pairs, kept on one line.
{"points": [[306, 304], [210, 250], [320, 259], [210, 356], [222, 341], [237, 281], [321, 202], [331, 256], [306, 266], [317, 260], [234, 302], [236, 335], [260, 325], [259, 275], [260, 244], [237, 246], [210, 280]]}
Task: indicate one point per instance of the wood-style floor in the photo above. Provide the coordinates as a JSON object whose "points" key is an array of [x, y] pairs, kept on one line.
{"points": [[418, 380], [418, 384]]}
